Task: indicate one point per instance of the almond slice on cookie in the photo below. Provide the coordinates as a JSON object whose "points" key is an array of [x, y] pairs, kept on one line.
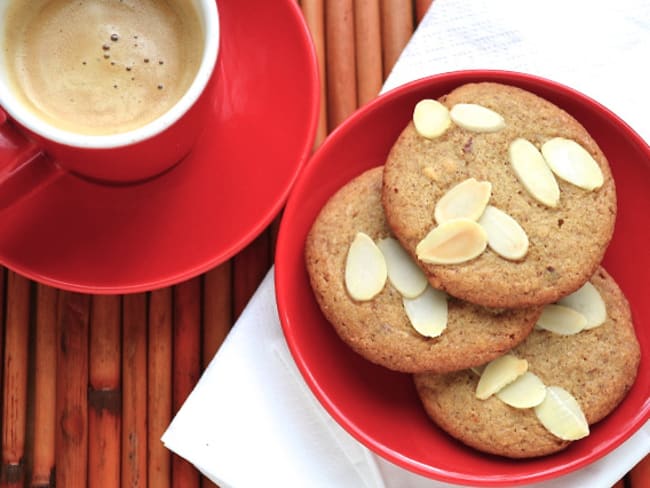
{"points": [[533, 172], [452, 242], [431, 118], [365, 268], [498, 373], [467, 199], [588, 302], [573, 163], [428, 312], [403, 273], [561, 415], [561, 320], [527, 391], [476, 118], [505, 236]]}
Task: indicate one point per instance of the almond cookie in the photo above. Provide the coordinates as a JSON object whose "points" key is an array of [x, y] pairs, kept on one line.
{"points": [[521, 168], [596, 366], [372, 315]]}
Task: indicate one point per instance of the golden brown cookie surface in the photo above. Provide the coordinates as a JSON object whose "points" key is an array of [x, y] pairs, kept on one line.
{"points": [[566, 243], [379, 329], [597, 366]]}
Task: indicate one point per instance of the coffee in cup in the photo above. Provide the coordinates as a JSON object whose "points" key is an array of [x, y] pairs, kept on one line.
{"points": [[115, 91], [101, 67]]}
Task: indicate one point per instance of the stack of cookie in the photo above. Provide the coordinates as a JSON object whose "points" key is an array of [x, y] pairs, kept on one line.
{"points": [[472, 260]]}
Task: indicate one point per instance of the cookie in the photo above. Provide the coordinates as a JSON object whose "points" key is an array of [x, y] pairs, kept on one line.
{"points": [[597, 366], [559, 243], [378, 329]]}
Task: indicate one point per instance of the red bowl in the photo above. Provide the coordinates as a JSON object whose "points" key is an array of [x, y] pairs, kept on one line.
{"points": [[379, 407]]}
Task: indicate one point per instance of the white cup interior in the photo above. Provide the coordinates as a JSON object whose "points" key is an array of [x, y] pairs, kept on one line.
{"points": [[210, 22]]}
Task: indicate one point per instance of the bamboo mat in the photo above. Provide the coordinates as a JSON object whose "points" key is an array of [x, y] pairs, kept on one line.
{"points": [[90, 382]]}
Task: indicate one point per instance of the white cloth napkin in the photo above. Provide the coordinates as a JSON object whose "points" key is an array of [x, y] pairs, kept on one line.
{"points": [[599, 47], [251, 420]]}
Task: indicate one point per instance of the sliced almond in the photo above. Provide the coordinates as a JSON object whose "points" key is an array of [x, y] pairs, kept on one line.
{"points": [[527, 391], [465, 200], [452, 242], [571, 162], [365, 268], [428, 312], [431, 118], [403, 273], [561, 320], [476, 118], [505, 235], [534, 174], [499, 373], [588, 302], [561, 415]]}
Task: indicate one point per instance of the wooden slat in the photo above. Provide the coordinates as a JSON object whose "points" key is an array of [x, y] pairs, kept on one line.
{"points": [[341, 68], [314, 13], [187, 365], [397, 29], [104, 395], [367, 22], [134, 391], [14, 419], [274, 229], [72, 390], [159, 399], [421, 7], [3, 282], [217, 309], [43, 455], [639, 476]]}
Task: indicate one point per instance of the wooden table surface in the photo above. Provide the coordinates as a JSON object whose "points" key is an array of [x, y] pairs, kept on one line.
{"points": [[91, 382]]}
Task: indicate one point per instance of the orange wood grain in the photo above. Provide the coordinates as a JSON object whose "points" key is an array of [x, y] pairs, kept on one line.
{"points": [[43, 454], [3, 273], [217, 309], [206, 483], [639, 475], [72, 390], [397, 29], [159, 396], [314, 14], [341, 67], [134, 390], [421, 7], [14, 411], [367, 20], [187, 364], [104, 394], [274, 229]]}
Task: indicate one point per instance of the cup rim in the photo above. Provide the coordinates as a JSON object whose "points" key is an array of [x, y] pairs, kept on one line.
{"points": [[43, 129]]}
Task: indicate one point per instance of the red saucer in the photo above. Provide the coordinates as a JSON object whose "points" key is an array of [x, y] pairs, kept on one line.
{"points": [[379, 407], [96, 238]]}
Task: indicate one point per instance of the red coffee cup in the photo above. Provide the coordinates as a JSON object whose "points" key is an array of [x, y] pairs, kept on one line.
{"points": [[34, 151]]}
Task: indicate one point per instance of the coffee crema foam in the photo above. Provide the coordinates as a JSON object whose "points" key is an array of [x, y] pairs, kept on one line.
{"points": [[101, 67]]}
